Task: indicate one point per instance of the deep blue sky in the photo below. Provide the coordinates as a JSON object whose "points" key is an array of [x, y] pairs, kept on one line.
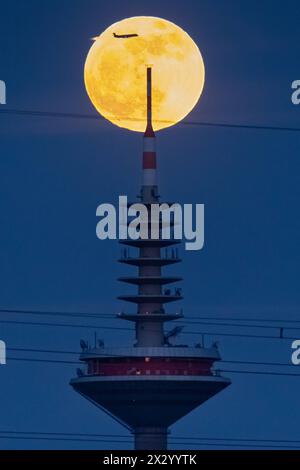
{"points": [[54, 173]]}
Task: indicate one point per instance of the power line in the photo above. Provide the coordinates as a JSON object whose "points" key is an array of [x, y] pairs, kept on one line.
{"points": [[68, 434], [287, 374], [256, 363], [69, 115], [36, 438], [232, 439], [200, 320], [233, 325], [110, 315], [76, 353], [263, 320], [48, 361], [115, 441], [123, 436], [64, 325], [97, 327], [58, 361], [62, 314], [242, 126], [44, 351]]}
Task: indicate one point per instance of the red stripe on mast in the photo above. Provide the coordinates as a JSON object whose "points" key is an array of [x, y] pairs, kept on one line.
{"points": [[149, 154]]}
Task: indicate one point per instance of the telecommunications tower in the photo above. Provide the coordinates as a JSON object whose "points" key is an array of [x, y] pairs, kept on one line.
{"points": [[150, 385]]}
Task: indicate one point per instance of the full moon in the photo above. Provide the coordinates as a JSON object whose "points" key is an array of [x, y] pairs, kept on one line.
{"points": [[115, 72]]}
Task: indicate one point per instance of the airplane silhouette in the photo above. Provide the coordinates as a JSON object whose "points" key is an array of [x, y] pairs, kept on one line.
{"points": [[125, 36]]}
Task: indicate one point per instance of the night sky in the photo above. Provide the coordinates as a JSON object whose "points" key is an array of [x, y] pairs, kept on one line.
{"points": [[54, 172]]}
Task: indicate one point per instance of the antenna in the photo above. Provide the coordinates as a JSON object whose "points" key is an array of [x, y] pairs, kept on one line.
{"points": [[149, 130]]}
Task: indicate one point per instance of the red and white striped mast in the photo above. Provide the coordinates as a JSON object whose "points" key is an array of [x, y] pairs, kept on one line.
{"points": [[149, 185]]}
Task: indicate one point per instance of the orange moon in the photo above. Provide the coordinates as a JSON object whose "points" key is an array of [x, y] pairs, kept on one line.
{"points": [[115, 73]]}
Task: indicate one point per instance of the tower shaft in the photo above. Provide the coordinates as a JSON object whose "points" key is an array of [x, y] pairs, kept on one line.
{"points": [[150, 438], [149, 333]]}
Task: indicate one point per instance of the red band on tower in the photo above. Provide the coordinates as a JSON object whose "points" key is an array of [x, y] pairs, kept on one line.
{"points": [[149, 161], [149, 151]]}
